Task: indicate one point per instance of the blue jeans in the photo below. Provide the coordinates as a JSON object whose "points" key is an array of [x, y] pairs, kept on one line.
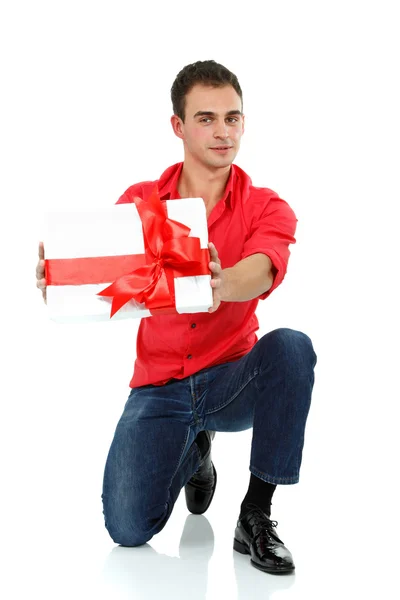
{"points": [[153, 454]]}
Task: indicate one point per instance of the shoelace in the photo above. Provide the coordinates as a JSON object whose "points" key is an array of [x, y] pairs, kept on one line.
{"points": [[261, 518]]}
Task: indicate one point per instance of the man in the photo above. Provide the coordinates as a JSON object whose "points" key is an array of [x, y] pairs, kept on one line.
{"points": [[201, 373]]}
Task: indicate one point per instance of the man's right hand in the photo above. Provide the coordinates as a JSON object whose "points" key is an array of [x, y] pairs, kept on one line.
{"points": [[41, 282]]}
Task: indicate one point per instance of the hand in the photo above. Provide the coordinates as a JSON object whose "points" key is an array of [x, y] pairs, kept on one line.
{"points": [[41, 282], [216, 277]]}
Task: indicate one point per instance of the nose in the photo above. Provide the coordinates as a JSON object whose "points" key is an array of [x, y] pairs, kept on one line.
{"points": [[221, 130]]}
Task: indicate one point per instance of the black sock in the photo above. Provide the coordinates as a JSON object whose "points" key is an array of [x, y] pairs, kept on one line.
{"points": [[259, 493]]}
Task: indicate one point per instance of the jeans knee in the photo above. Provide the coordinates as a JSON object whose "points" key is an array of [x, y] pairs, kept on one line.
{"points": [[136, 528], [295, 345], [128, 537], [126, 533]]}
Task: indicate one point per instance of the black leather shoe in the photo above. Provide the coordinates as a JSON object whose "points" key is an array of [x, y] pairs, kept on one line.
{"points": [[256, 535], [199, 490]]}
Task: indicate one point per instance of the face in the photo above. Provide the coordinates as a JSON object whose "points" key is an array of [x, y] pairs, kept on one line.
{"points": [[213, 125]]}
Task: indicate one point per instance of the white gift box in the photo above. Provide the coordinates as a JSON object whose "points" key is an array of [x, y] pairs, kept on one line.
{"points": [[117, 231]]}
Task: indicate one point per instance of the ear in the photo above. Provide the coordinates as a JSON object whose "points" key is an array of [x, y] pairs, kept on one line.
{"points": [[243, 119], [177, 126]]}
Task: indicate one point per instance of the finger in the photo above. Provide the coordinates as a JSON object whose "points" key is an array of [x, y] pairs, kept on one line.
{"points": [[216, 283], [215, 267], [40, 269], [41, 284], [41, 251], [213, 308], [213, 252]]}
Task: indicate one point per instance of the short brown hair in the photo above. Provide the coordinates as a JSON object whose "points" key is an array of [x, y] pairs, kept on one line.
{"points": [[207, 72]]}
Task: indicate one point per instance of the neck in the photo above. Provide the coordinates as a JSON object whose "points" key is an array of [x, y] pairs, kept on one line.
{"points": [[198, 181]]}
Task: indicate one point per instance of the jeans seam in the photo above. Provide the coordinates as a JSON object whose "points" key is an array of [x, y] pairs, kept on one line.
{"points": [[180, 457], [223, 404]]}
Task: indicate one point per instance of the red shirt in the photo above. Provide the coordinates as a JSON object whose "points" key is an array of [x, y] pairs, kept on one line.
{"points": [[247, 220]]}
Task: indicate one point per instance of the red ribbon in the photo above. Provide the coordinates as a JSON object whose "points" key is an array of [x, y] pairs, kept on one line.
{"points": [[146, 278]]}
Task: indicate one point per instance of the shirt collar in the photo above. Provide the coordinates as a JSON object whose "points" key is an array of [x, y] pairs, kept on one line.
{"points": [[168, 184], [228, 195]]}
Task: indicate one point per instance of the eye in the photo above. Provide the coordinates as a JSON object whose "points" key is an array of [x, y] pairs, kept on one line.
{"points": [[233, 119], [205, 120]]}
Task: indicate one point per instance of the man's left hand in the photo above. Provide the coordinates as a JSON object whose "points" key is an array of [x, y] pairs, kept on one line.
{"points": [[217, 277]]}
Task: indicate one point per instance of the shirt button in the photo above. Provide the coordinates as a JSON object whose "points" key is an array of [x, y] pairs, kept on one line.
{"points": [[189, 356], [193, 325]]}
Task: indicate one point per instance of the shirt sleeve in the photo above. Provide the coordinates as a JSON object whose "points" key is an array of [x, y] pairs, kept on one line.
{"points": [[128, 196], [272, 231]]}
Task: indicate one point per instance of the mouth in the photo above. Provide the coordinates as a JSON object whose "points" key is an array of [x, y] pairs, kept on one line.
{"points": [[221, 148]]}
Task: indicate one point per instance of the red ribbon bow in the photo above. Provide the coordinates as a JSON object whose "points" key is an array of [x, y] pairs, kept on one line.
{"points": [[169, 253]]}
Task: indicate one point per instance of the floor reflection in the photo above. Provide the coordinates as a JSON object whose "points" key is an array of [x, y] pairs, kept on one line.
{"points": [[142, 573], [253, 583]]}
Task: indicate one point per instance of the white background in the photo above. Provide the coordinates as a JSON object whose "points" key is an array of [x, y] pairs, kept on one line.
{"points": [[85, 111]]}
